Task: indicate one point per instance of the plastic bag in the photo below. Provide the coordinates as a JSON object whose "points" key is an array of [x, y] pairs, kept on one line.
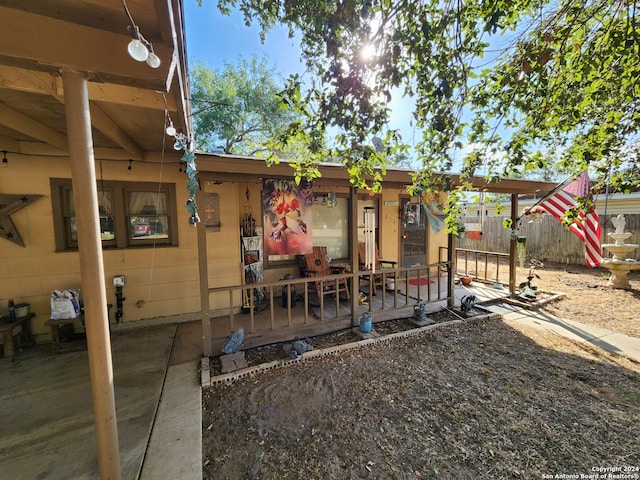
{"points": [[65, 304]]}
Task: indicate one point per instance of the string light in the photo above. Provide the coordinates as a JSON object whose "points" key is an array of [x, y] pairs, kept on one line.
{"points": [[5, 160], [136, 48], [153, 60], [129, 167], [170, 130], [184, 142], [139, 47]]}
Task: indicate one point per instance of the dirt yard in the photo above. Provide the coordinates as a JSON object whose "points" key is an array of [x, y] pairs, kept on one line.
{"points": [[588, 299], [481, 400]]}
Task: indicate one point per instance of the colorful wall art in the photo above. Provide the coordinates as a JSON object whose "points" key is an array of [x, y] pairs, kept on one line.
{"points": [[287, 217]]}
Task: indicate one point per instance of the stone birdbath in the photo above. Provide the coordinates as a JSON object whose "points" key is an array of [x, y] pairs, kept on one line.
{"points": [[619, 265]]}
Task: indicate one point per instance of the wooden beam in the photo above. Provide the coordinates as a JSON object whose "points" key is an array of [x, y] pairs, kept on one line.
{"points": [[101, 120], [22, 80], [31, 81], [45, 83], [111, 129], [9, 144], [50, 43], [46, 150], [27, 125], [130, 96]]}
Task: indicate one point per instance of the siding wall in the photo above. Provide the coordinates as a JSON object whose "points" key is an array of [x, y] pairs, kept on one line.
{"points": [[160, 282]]}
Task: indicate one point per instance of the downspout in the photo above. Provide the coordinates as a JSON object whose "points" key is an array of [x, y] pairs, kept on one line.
{"points": [[513, 239], [353, 250], [85, 197]]}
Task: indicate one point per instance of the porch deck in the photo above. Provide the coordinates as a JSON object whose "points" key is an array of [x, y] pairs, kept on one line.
{"points": [[289, 323]]}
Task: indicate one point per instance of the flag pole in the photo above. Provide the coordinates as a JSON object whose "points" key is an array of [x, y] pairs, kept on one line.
{"points": [[555, 189]]}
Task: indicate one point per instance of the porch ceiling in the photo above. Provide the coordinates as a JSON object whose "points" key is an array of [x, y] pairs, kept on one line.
{"points": [[44, 37], [235, 168]]}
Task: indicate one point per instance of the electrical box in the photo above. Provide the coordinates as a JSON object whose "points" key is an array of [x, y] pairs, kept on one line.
{"points": [[118, 281]]}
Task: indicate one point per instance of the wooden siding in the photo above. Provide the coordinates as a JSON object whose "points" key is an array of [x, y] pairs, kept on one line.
{"points": [[160, 282]]}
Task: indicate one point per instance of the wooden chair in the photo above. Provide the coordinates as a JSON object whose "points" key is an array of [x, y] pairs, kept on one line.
{"points": [[316, 264], [378, 278]]}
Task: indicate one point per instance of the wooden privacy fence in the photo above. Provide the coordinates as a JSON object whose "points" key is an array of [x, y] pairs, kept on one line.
{"points": [[547, 241]]}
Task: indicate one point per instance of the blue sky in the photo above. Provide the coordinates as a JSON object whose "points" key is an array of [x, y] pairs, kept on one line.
{"points": [[213, 39]]}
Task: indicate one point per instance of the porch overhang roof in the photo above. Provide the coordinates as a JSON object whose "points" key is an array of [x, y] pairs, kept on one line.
{"points": [[128, 99], [239, 168]]}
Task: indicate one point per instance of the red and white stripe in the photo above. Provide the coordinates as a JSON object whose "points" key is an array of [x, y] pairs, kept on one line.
{"points": [[586, 226]]}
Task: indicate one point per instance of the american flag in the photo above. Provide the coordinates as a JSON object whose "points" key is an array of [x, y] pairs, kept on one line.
{"points": [[587, 225]]}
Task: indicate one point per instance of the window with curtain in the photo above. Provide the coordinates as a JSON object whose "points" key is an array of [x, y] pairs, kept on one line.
{"points": [[147, 215], [331, 227], [131, 214]]}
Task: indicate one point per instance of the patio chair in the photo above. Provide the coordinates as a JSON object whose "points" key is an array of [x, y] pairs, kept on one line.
{"points": [[378, 278], [316, 264]]}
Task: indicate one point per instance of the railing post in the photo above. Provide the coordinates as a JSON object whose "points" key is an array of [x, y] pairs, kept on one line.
{"points": [[513, 243], [451, 258], [355, 266]]}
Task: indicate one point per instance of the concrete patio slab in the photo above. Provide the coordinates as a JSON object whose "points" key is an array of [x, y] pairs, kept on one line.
{"points": [[175, 448], [47, 411]]}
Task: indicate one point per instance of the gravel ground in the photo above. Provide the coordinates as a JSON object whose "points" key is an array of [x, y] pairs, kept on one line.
{"points": [[477, 400]]}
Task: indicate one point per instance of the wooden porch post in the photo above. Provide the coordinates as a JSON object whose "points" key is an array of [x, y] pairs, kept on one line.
{"points": [[451, 258], [85, 197], [203, 269], [355, 264], [513, 244]]}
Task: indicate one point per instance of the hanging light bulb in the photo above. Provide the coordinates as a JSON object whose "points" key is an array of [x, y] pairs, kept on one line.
{"points": [[129, 167], [170, 130], [5, 160], [137, 49], [153, 60]]}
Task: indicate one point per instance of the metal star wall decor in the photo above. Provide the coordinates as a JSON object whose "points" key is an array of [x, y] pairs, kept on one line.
{"points": [[10, 204]]}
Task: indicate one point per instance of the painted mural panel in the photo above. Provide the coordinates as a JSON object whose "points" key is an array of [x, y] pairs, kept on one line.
{"points": [[287, 217]]}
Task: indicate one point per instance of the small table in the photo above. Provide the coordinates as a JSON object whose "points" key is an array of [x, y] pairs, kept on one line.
{"points": [[59, 322], [55, 331], [10, 330]]}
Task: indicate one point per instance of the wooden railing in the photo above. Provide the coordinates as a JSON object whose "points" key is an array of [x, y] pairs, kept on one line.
{"points": [[482, 265], [411, 286]]}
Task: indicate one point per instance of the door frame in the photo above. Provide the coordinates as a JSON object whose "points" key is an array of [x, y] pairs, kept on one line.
{"points": [[423, 227]]}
